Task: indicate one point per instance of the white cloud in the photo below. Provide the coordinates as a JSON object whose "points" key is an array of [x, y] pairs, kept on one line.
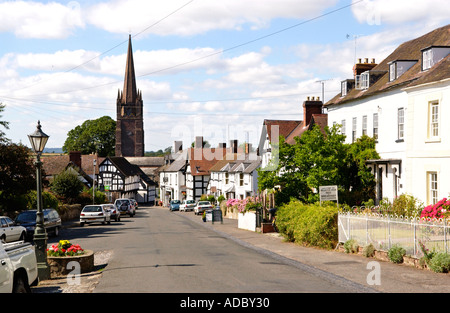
{"points": [[28, 19], [431, 12], [120, 16]]}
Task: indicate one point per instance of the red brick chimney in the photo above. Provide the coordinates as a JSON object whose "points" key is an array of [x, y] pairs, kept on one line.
{"points": [[310, 107], [362, 67], [75, 158]]}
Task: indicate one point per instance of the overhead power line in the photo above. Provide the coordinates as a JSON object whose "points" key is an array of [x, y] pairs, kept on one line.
{"points": [[214, 53]]}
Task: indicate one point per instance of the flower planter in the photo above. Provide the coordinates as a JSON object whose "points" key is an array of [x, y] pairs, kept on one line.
{"points": [[247, 221], [58, 265]]}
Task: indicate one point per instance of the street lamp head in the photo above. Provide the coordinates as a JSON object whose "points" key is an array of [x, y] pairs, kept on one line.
{"points": [[38, 139]]}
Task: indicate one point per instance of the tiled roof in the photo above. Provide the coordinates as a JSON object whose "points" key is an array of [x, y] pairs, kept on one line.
{"points": [[410, 50], [285, 127], [55, 164], [319, 119], [202, 159]]}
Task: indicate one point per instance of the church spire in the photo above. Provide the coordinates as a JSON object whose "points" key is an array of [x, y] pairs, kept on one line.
{"points": [[129, 86]]}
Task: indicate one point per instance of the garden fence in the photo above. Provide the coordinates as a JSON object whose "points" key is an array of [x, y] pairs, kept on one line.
{"points": [[384, 231]]}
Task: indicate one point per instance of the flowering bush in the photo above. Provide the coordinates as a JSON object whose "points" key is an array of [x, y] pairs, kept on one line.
{"points": [[64, 248], [438, 210], [244, 205]]}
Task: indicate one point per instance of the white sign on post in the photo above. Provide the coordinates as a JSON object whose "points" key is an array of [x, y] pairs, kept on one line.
{"points": [[328, 193]]}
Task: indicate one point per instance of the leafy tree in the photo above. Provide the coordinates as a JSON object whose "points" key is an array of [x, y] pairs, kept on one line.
{"points": [[17, 175], [319, 159], [67, 185], [93, 136], [4, 124]]}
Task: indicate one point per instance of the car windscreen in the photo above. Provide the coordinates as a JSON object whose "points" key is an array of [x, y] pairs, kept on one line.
{"points": [[203, 203], [26, 217], [120, 202], [92, 209], [190, 201], [176, 201]]}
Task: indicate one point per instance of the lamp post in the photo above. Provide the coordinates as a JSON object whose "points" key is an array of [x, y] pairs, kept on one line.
{"points": [[38, 140]]}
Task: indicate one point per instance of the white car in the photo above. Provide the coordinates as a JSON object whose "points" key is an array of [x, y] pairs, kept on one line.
{"points": [[94, 213], [9, 231], [202, 206], [187, 205]]}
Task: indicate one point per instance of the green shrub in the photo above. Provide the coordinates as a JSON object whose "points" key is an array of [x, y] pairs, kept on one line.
{"points": [[440, 263], [368, 250], [351, 246], [396, 253], [48, 200], [308, 224]]}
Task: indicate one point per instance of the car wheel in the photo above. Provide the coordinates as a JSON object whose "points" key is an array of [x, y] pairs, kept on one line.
{"points": [[22, 236], [81, 224], [3, 239], [20, 285]]}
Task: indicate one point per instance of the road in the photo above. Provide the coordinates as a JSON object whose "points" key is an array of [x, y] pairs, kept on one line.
{"points": [[158, 251]]}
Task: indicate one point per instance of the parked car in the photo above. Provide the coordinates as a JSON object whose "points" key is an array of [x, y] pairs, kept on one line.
{"points": [[202, 206], [27, 219], [187, 205], [9, 231], [18, 270], [125, 206], [135, 203], [115, 213], [93, 214], [174, 205]]}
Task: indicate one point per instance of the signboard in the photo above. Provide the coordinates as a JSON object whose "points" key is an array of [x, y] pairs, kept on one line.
{"points": [[328, 193], [107, 188], [217, 216]]}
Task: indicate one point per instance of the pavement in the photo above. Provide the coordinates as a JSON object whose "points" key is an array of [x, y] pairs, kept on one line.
{"points": [[362, 274]]}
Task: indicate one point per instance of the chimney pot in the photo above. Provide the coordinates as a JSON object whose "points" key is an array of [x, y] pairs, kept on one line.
{"points": [[198, 142], [359, 60], [373, 60], [366, 60]]}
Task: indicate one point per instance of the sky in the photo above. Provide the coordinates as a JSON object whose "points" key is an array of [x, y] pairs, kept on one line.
{"points": [[205, 68]]}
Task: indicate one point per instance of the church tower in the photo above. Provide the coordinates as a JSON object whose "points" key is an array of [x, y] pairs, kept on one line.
{"points": [[130, 120]]}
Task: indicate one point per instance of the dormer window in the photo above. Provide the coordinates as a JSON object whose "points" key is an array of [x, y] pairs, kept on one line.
{"points": [[432, 55], [398, 67], [346, 86]]}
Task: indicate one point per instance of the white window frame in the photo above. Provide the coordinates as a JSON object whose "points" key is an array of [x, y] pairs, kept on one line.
{"points": [[432, 187], [343, 130], [392, 71], [354, 125], [364, 125], [433, 119], [427, 59], [400, 123], [375, 125], [365, 80], [344, 88]]}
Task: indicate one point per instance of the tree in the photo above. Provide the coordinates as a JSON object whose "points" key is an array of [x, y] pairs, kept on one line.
{"points": [[319, 159], [17, 175], [4, 124], [93, 136], [67, 185]]}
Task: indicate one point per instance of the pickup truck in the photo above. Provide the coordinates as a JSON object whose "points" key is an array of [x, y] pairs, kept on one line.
{"points": [[18, 267]]}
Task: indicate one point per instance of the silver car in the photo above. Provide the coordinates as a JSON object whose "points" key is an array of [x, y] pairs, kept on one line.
{"points": [[93, 214], [9, 231]]}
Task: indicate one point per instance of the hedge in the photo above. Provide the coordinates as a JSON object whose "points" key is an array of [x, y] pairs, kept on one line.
{"points": [[308, 224]]}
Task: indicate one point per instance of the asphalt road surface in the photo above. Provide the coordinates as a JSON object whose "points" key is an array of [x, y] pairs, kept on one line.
{"points": [[158, 251]]}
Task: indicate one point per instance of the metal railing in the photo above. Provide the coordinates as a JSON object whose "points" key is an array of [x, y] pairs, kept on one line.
{"points": [[384, 231]]}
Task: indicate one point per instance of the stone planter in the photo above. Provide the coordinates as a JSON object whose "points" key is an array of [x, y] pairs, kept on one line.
{"points": [[58, 265], [247, 221]]}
